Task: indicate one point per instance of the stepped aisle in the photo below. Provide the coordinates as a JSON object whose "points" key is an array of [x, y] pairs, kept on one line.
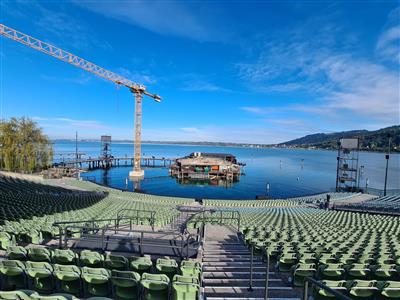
{"points": [[226, 270]]}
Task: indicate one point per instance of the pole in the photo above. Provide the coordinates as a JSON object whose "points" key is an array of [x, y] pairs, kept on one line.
{"points": [[337, 168], [76, 148], [138, 131], [251, 269], [267, 276], [387, 165]]}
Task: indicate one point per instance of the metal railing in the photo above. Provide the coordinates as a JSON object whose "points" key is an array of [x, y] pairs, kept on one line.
{"points": [[217, 215], [267, 262], [319, 284], [137, 215], [109, 235]]}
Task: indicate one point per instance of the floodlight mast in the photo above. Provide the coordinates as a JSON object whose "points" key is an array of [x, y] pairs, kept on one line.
{"points": [[137, 89]]}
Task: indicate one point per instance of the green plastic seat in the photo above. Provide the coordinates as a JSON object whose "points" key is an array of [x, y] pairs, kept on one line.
{"points": [[12, 274], [91, 259], [141, 264], [68, 278], [331, 271], [41, 276], [358, 271], [363, 289], [17, 253], [185, 287], [155, 286], [97, 281], [64, 257], [6, 240], [55, 296], [391, 290], [116, 262], [125, 284], [287, 261], [322, 294], [31, 236], [17, 295], [190, 268], [384, 272], [167, 266], [300, 271], [39, 254]]}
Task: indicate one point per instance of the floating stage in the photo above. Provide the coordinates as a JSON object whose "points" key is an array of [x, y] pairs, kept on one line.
{"points": [[206, 166]]}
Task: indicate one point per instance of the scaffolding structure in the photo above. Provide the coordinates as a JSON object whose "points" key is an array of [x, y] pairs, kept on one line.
{"points": [[347, 165], [105, 150]]}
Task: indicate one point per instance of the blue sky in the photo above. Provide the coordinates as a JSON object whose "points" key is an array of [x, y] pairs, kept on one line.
{"points": [[235, 71]]}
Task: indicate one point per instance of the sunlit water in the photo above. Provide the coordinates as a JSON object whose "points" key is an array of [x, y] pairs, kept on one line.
{"points": [[281, 168]]}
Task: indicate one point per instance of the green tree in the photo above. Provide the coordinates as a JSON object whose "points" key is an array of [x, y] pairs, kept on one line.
{"points": [[23, 146]]}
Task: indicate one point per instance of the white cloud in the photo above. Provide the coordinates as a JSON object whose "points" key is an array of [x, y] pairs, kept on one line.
{"points": [[140, 78], [190, 129], [51, 125], [388, 44], [172, 18], [338, 80]]}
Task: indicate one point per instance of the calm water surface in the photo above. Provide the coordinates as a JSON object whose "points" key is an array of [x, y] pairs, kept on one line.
{"points": [[281, 168]]}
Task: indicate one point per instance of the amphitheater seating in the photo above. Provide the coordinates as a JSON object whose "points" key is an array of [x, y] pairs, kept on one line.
{"points": [[386, 204], [291, 202], [76, 279]]}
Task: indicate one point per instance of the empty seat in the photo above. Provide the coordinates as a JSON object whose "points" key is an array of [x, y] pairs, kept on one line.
{"points": [[17, 295], [141, 264], [64, 257], [185, 287], [167, 266], [40, 275], [68, 278], [96, 281], [155, 286], [12, 274], [91, 259], [17, 252], [116, 262], [39, 254], [361, 289], [125, 284]]}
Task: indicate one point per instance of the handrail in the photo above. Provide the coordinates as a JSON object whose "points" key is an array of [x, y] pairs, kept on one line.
{"points": [[322, 286], [151, 218], [235, 215], [176, 237]]}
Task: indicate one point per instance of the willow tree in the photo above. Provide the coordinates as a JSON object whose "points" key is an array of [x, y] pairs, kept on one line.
{"points": [[23, 146]]}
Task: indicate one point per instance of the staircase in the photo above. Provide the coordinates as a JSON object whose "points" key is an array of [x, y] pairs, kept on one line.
{"points": [[226, 270]]}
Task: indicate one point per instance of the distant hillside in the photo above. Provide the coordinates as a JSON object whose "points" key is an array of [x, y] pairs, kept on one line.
{"points": [[370, 140]]}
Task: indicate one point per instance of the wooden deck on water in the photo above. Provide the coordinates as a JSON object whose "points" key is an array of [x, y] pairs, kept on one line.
{"points": [[99, 162]]}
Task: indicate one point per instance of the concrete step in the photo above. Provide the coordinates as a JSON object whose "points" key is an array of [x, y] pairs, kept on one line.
{"points": [[232, 259], [244, 268], [230, 255], [241, 282], [231, 249], [235, 275], [228, 252], [258, 291]]}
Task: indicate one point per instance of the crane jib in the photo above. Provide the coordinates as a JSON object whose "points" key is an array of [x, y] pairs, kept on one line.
{"points": [[137, 89]]}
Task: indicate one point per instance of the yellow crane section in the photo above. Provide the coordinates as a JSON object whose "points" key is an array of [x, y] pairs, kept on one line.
{"points": [[137, 89]]}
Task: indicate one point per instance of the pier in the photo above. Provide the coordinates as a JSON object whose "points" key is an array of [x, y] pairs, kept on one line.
{"points": [[105, 163]]}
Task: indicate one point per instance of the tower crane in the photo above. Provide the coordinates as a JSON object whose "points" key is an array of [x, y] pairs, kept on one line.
{"points": [[137, 89]]}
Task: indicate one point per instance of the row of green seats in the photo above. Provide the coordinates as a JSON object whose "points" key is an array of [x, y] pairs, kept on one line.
{"points": [[47, 278], [95, 259], [98, 285], [359, 289]]}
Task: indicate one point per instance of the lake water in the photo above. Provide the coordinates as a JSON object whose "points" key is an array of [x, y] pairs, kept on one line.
{"points": [[281, 168]]}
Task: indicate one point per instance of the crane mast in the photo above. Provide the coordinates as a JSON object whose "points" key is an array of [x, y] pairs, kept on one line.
{"points": [[138, 90]]}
